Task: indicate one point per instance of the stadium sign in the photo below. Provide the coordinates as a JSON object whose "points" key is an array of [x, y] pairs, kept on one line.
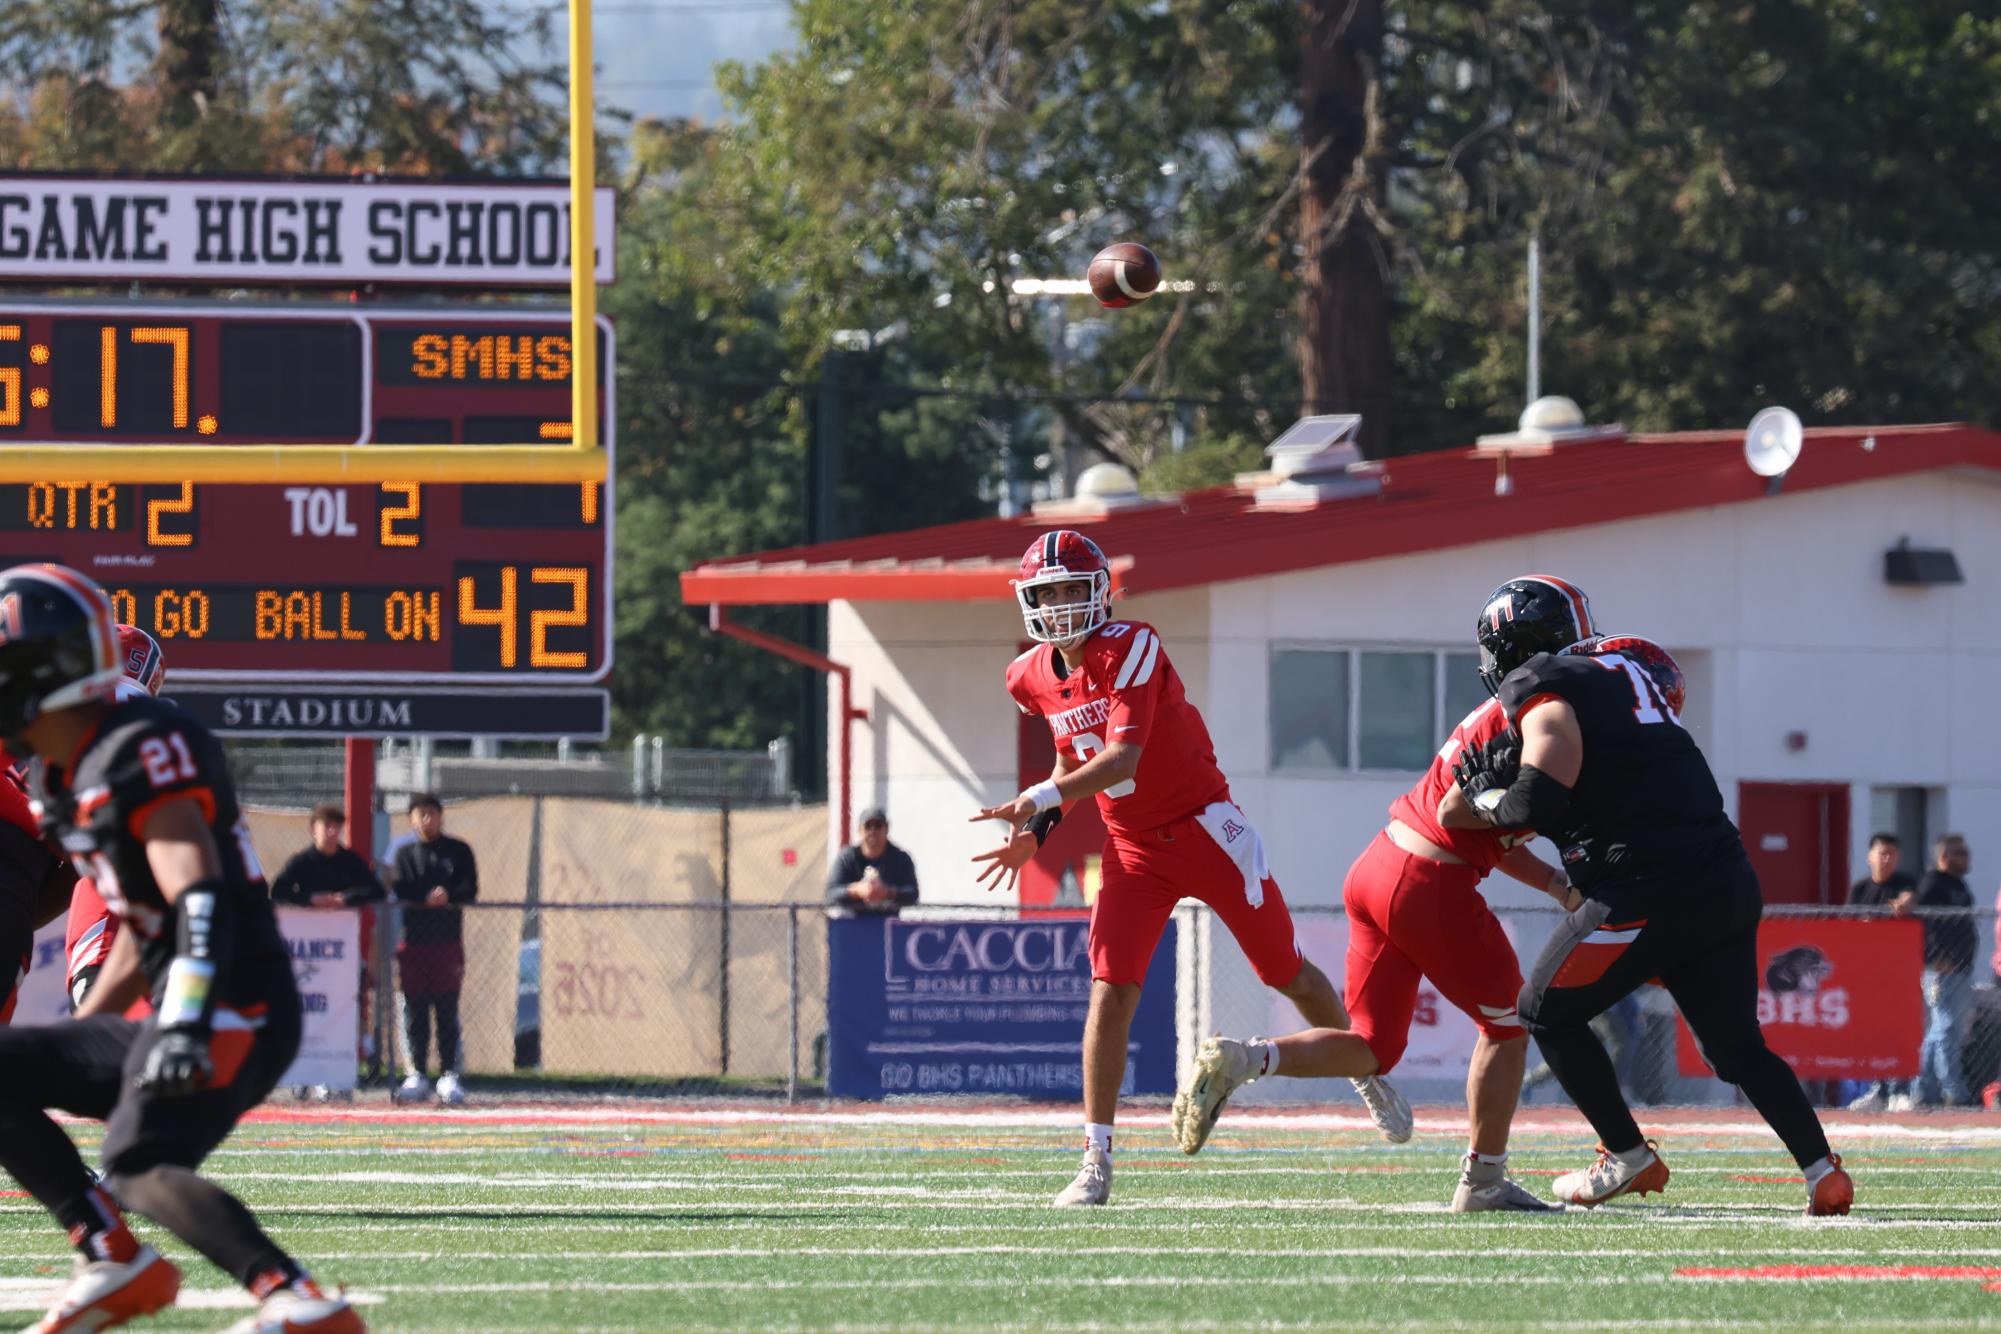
{"points": [[397, 710], [67, 229]]}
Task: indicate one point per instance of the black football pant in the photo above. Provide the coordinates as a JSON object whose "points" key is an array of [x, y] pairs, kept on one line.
{"points": [[152, 1143], [1698, 936]]}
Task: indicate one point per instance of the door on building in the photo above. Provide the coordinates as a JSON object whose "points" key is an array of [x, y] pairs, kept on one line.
{"points": [[1797, 835]]}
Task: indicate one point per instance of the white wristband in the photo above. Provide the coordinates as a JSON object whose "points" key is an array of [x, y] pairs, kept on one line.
{"points": [[1044, 795]]}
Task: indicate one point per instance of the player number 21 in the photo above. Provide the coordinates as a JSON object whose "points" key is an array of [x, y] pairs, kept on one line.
{"points": [[166, 759], [1087, 744]]}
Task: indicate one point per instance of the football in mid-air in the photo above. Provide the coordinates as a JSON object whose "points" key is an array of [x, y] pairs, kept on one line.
{"points": [[1124, 274]]}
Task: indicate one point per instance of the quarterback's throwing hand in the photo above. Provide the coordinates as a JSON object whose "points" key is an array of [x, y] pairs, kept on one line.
{"points": [[1014, 811], [1004, 863]]}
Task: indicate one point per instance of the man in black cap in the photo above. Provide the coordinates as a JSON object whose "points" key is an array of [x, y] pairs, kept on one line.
{"points": [[873, 877]]}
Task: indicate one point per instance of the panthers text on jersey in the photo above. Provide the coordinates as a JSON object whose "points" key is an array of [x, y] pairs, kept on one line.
{"points": [[1645, 800], [1418, 808], [143, 754], [1125, 690]]}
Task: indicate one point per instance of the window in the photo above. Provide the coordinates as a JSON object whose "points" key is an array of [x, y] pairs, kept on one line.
{"points": [[1399, 710], [1464, 691], [1309, 709], [1335, 709]]}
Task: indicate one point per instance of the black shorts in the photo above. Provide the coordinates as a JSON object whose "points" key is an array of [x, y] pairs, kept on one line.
{"points": [[87, 1067]]}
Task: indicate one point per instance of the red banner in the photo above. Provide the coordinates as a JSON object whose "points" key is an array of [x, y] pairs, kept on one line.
{"points": [[1839, 997]]}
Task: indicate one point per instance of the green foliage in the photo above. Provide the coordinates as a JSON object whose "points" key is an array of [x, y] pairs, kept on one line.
{"points": [[420, 86]]}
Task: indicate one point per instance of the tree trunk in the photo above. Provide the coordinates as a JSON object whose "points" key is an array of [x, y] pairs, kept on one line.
{"points": [[1344, 342], [190, 49]]}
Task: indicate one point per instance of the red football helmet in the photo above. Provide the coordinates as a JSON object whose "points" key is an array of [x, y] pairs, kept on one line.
{"points": [[140, 660], [1062, 557], [1660, 664]]}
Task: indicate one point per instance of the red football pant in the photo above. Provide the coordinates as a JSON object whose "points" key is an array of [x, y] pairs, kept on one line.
{"points": [[1411, 918], [1142, 877]]}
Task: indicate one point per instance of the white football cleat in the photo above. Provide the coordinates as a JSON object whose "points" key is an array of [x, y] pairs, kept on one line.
{"points": [[302, 1309], [105, 1293], [1612, 1176], [414, 1088], [1387, 1107], [1093, 1183], [1222, 1066], [450, 1092], [1479, 1197]]}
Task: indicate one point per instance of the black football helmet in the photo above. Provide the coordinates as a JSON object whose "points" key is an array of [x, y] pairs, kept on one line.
{"points": [[58, 644], [1537, 613]]}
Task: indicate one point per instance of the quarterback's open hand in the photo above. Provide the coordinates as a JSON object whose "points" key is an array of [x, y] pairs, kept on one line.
{"points": [[1015, 811], [178, 1065], [1004, 863], [1491, 768]]}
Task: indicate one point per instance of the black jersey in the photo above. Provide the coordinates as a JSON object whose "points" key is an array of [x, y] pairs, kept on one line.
{"points": [[1645, 801], [145, 752]]}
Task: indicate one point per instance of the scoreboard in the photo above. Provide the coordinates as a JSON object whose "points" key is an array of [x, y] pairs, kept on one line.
{"points": [[485, 583]]}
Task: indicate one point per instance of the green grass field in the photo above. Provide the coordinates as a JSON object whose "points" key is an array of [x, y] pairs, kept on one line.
{"points": [[529, 1219]]}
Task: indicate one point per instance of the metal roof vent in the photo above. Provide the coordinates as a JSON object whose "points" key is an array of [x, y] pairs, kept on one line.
{"points": [[1315, 460]]}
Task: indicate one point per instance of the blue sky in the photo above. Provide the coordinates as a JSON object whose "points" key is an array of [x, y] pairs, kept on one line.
{"points": [[655, 57]]}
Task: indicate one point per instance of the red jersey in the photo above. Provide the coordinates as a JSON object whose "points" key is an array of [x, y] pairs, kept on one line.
{"points": [[1418, 808], [1125, 690], [14, 807]]}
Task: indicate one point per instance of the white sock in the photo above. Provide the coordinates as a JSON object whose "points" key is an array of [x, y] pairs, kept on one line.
{"points": [[1265, 1052], [1638, 1157], [1818, 1170], [1098, 1135], [1482, 1168]]}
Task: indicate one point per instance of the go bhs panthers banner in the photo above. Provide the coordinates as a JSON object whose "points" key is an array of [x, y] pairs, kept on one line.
{"points": [[1838, 997], [979, 1007]]}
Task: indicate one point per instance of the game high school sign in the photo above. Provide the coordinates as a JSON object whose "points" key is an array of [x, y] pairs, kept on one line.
{"points": [[59, 229]]}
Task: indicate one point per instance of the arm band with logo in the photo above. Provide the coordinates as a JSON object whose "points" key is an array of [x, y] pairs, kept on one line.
{"points": [[204, 937], [1533, 801], [1040, 824]]}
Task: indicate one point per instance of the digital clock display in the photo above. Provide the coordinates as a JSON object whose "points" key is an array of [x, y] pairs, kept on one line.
{"points": [[326, 583]]}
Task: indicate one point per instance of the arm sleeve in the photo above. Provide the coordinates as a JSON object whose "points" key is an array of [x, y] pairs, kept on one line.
{"points": [[287, 887], [840, 874], [905, 883], [464, 888], [1134, 668], [403, 881]]}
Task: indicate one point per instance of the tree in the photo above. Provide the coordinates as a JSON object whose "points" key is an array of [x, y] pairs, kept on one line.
{"points": [[422, 86]]}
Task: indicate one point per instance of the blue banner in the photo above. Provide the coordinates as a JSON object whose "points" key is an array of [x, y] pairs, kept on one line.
{"points": [[979, 1007]]}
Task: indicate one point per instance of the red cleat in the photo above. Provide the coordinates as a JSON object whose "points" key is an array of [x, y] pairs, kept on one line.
{"points": [[1611, 1177], [105, 1293]]}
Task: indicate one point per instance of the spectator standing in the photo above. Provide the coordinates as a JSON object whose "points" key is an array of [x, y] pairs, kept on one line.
{"points": [[1948, 977], [1891, 889], [872, 877], [327, 873], [433, 876]]}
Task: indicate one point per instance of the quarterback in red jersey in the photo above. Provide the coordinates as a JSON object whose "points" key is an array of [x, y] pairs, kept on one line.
{"points": [[92, 927], [1126, 734], [1415, 911]]}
